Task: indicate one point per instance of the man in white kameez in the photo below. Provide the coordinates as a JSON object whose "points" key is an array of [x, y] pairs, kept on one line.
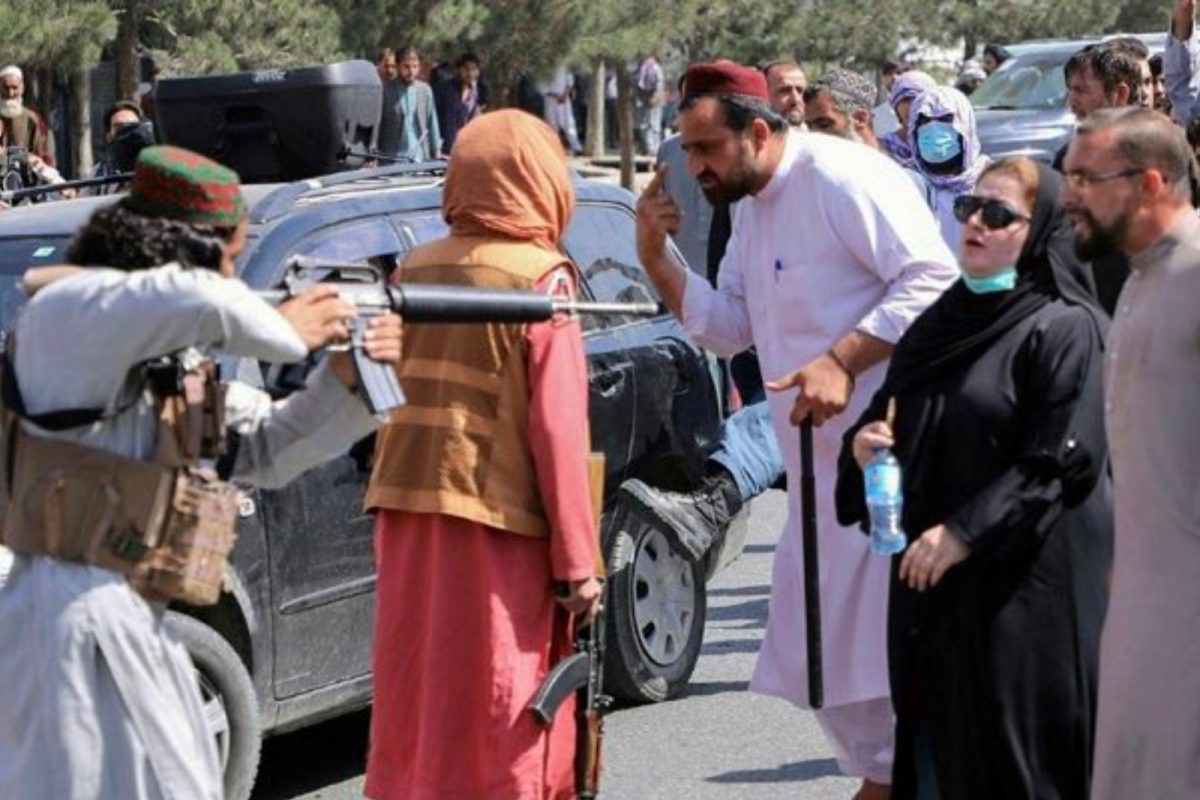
{"points": [[833, 255], [1127, 188], [556, 94], [100, 698]]}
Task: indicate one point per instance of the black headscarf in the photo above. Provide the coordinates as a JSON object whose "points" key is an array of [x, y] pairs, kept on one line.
{"points": [[961, 324]]}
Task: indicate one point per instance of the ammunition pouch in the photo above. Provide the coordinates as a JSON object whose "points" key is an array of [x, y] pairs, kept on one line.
{"points": [[167, 525]]}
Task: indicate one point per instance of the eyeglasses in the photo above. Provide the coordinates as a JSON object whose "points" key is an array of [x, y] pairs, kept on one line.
{"points": [[996, 215], [1077, 179]]}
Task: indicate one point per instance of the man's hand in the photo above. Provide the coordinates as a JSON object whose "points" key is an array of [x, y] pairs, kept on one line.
{"points": [[824, 390], [929, 557], [582, 599], [871, 437], [382, 341], [657, 218], [1183, 19], [319, 316]]}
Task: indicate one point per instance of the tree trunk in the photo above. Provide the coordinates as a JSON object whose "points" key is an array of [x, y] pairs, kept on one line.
{"points": [[596, 122], [81, 120], [969, 45], [625, 124], [127, 50]]}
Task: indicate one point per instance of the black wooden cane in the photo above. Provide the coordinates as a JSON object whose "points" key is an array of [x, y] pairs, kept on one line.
{"points": [[812, 578]]}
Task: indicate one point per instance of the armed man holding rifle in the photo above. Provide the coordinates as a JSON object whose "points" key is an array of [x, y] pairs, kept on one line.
{"points": [[119, 441]]}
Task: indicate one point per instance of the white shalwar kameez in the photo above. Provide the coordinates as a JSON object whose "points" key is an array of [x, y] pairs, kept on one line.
{"points": [[839, 239], [100, 700]]}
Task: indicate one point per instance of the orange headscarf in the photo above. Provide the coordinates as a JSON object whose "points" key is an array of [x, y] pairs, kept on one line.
{"points": [[508, 177]]}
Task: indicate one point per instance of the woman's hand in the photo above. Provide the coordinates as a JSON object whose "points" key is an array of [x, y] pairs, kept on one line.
{"points": [[929, 557], [383, 342], [871, 437], [319, 316]]}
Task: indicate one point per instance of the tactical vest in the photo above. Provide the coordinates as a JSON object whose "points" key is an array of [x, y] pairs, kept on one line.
{"points": [[460, 446], [167, 524]]}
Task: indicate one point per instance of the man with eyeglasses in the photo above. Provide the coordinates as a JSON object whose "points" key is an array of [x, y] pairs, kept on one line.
{"points": [[1128, 189]]}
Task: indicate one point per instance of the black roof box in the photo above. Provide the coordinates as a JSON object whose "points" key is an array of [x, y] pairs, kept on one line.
{"points": [[273, 124]]}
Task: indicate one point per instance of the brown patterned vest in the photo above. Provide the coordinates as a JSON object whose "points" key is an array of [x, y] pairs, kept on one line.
{"points": [[460, 446]]}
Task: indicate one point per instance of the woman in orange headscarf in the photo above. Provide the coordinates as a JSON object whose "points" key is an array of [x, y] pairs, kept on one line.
{"points": [[481, 489]]}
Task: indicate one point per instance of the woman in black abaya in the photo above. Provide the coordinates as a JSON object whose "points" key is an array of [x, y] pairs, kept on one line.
{"points": [[997, 603]]}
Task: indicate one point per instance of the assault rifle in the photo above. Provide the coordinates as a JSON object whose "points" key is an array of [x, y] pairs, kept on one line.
{"points": [[581, 674], [367, 289]]}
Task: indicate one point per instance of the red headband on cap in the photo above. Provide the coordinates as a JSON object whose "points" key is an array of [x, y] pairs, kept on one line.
{"points": [[724, 77]]}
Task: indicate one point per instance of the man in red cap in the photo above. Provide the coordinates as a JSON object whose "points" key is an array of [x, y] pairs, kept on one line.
{"points": [[833, 255]]}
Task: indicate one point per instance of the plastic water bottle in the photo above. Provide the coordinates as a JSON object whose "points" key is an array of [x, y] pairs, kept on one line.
{"points": [[885, 501]]}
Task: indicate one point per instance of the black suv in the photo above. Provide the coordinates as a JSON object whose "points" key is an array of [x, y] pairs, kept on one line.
{"points": [[290, 644]]}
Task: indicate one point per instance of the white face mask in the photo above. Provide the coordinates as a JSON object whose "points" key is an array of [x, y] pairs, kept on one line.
{"points": [[11, 108]]}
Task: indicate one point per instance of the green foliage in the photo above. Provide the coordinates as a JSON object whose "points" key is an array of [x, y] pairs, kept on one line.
{"points": [[191, 37], [59, 35]]}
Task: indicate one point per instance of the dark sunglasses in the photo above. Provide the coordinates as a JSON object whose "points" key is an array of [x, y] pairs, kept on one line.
{"points": [[996, 215]]}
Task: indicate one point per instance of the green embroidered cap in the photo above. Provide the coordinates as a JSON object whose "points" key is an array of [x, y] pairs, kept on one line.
{"points": [[178, 184]]}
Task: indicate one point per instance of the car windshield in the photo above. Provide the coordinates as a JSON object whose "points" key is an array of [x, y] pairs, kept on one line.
{"points": [[18, 255], [1031, 81]]}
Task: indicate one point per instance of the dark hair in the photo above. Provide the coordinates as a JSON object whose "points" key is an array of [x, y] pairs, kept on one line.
{"points": [[119, 238], [385, 53], [1112, 63], [122, 105], [408, 51], [1131, 45], [786, 63], [892, 67], [467, 58], [1193, 132], [739, 111], [998, 52], [1156, 65], [1147, 140]]}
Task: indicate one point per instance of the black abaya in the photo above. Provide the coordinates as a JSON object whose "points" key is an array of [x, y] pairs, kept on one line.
{"points": [[998, 662]]}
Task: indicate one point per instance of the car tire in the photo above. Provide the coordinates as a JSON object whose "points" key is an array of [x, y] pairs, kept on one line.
{"points": [[230, 704], [656, 607]]}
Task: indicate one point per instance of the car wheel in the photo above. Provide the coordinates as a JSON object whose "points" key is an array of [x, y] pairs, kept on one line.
{"points": [[230, 705], [656, 611]]}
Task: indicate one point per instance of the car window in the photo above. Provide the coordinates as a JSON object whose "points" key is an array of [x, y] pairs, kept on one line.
{"points": [[18, 255], [1031, 81], [352, 242], [602, 241]]}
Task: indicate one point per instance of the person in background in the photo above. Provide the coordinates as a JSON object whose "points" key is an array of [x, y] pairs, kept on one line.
{"points": [[649, 91], [904, 90], [970, 77], [997, 603], [464, 97], [946, 152], [994, 56], [126, 133], [1162, 103], [408, 123], [21, 126], [840, 103], [786, 84]]}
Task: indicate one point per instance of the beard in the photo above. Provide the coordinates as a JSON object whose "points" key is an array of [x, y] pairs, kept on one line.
{"points": [[1100, 240], [11, 108], [739, 183], [794, 118]]}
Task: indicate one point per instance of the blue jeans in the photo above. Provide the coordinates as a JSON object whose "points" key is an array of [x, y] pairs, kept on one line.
{"points": [[750, 451]]}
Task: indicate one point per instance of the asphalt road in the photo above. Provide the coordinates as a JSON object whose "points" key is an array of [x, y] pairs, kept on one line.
{"points": [[718, 742]]}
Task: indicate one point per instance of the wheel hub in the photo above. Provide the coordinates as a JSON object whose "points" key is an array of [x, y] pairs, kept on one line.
{"points": [[664, 599]]}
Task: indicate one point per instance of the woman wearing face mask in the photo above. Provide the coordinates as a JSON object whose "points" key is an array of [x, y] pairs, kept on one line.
{"points": [[997, 602], [946, 151]]}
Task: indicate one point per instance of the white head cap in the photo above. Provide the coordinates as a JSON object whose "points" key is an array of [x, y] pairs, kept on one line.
{"points": [[14, 70]]}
